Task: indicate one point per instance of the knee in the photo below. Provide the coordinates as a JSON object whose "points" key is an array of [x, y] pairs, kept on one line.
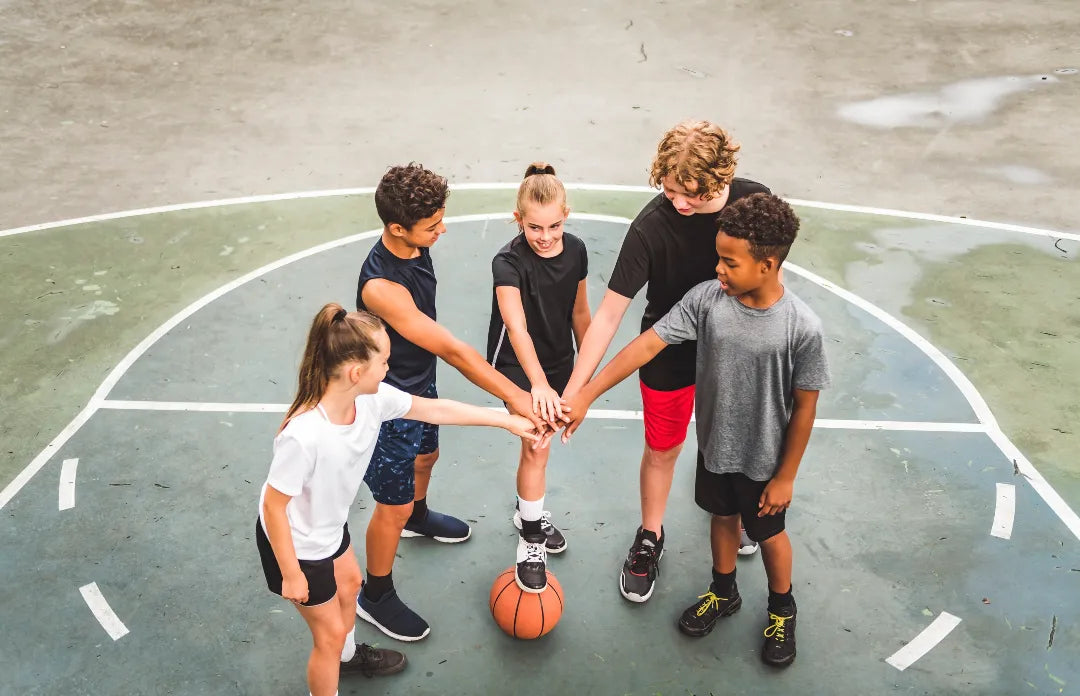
{"points": [[424, 462], [348, 582], [661, 459], [396, 515], [331, 639]]}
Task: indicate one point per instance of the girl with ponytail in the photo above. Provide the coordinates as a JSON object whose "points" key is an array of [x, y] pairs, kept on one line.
{"points": [[321, 453], [539, 309]]}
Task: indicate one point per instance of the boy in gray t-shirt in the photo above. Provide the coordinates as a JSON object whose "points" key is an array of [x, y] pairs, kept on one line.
{"points": [[760, 366]]}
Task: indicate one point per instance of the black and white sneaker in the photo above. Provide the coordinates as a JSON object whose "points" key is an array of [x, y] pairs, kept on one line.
{"points": [[642, 565], [553, 538], [700, 617], [531, 573]]}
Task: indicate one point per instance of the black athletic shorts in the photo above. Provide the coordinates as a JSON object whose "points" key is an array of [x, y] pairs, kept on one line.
{"points": [[557, 376], [320, 574], [735, 494]]}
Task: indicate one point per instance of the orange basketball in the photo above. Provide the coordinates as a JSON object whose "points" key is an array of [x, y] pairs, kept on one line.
{"points": [[525, 615]]}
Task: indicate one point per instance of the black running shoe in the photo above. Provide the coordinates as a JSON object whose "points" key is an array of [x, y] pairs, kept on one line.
{"points": [[374, 662], [779, 647], [700, 617], [642, 565], [553, 538], [531, 573]]}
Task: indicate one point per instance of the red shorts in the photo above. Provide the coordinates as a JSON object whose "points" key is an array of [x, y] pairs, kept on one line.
{"points": [[667, 416]]}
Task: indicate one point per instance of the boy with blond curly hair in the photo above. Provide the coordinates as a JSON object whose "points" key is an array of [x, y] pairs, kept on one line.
{"points": [[669, 246]]}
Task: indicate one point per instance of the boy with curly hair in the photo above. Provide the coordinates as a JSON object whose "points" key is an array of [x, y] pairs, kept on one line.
{"points": [[760, 365], [669, 246], [397, 283]]}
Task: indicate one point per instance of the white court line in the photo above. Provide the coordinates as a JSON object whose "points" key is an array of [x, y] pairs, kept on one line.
{"points": [[594, 414], [103, 612], [502, 186], [924, 642], [67, 484], [978, 404], [1004, 511]]}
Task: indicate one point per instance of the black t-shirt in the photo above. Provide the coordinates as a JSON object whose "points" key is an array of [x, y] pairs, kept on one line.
{"points": [[548, 289], [672, 253], [412, 368]]}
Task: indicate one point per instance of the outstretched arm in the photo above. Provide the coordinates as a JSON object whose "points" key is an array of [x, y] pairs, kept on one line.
{"points": [[777, 494], [395, 305], [545, 400], [449, 412], [638, 352], [597, 338], [582, 316]]}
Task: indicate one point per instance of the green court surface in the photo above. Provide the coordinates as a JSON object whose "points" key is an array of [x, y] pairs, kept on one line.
{"points": [[148, 359]]}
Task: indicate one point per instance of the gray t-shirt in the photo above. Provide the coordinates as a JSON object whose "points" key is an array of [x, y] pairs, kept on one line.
{"points": [[748, 363]]}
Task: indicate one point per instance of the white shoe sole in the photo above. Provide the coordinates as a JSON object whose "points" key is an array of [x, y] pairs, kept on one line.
{"points": [[636, 597], [748, 550], [371, 620], [530, 590], [406, 534]]}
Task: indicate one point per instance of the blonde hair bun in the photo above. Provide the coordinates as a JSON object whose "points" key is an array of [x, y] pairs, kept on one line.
{"points": [[539, 168]]}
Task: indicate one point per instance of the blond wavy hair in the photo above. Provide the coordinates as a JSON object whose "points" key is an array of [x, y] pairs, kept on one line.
{"points": [[699, 154]]}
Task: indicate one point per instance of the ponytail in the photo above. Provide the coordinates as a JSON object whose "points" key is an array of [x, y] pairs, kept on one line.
{"points": [[336, 336], [540, 186]]}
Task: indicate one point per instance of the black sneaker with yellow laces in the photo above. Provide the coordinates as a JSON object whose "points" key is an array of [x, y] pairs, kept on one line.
{"points": [[779, 647], [700, 617]]}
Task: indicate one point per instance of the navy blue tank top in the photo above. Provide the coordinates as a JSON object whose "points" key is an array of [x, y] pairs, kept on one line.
{"points": [[412, 368]]}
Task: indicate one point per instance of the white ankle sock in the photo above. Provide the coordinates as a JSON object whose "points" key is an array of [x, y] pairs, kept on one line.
{"points": [[531, 510], [349, 650]]}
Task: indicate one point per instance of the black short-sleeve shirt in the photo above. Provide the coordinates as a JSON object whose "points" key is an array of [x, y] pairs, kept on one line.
{"points": [[548, 289], [671, 253], [412, 368]]}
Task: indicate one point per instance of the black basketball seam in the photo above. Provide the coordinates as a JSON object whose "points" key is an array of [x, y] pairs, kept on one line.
{"points": [[516, 608], [540, 601], [510, 582], [561, 605]]}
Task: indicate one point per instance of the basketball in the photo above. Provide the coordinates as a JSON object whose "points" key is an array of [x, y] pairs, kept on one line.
{"points": [[522, 614]]}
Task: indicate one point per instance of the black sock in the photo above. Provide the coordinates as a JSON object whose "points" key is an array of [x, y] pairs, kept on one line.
{"points": [[419, 510], [531, 528], [375, 586], [781, 600], [722, 583]]}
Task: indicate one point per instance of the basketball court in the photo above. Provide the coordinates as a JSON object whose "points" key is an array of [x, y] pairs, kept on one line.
{"points": [[149, 354], [920, 531]]}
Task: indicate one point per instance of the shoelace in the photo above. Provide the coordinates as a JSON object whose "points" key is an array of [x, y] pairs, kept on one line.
{"points": [[711, 601], [368, 654], [777, 628], [534, 553], [545, 522], [641, 557]]}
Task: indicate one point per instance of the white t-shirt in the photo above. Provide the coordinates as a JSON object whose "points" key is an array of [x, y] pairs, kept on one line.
{"points": [[321, 465]]}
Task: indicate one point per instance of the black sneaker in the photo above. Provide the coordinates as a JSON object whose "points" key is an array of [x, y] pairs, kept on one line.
{"points": [[779, 647], [700, 617], [553, 538], [531, 573], [392, 617], [374, 662], [440, 527], [641, 566]]}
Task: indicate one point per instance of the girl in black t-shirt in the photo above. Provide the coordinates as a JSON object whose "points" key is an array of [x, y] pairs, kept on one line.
{"points": [[539, 310]]}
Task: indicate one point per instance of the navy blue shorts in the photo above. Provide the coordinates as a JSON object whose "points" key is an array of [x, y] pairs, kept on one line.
{"points": [[391, 474]]}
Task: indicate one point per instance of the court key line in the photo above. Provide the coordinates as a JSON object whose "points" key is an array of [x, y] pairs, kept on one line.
{"points": [[924, 642], [1004, 511], [103, 612], [596, 413], [67, 484], [982, 411]]}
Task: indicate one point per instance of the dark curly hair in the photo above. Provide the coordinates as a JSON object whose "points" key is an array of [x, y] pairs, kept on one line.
{"points": [[407, 194], [768, 223]]}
